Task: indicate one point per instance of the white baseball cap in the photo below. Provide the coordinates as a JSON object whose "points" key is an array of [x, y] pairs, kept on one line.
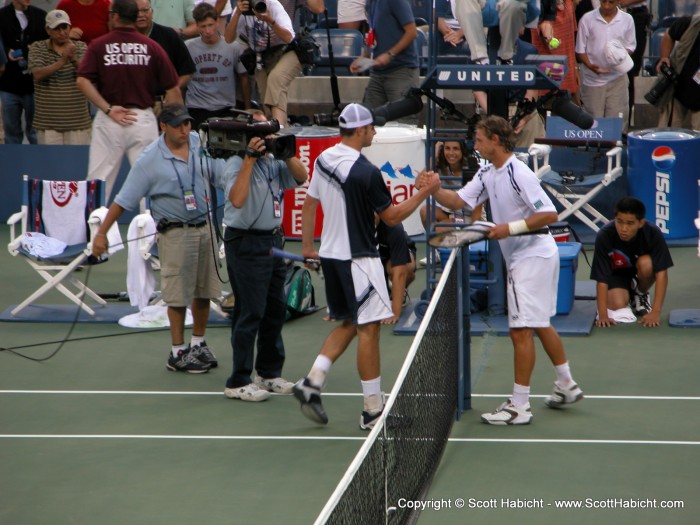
{"points": [[618, 57], [355, 116]]}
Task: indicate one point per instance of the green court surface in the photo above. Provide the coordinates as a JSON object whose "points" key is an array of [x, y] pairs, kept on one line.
{"points": [[103, 433]]}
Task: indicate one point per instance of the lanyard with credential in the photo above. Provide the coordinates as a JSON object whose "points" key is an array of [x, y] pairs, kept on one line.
{"points": [[276, 199], [188, 195]]}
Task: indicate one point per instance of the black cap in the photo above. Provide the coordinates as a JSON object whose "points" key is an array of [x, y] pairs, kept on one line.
{"points": [[174, 115]]}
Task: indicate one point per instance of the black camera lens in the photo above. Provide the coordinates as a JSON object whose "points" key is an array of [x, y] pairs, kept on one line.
{"points": [[325, 119], [282, 147], [665, 80], [260, 7]]}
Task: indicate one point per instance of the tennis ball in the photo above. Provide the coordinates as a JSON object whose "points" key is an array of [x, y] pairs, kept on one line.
{"points": [[554, 43]]}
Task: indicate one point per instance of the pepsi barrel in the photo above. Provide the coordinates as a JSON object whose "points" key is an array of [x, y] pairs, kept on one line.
{"points": [[662, 172]]}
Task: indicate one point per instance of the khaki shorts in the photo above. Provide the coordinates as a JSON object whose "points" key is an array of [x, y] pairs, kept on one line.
{"points": [[187, 266]]}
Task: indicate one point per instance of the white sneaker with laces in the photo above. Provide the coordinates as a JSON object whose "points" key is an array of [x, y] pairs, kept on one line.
{"points": [[508, 414], [567, 395], [274, 384], [249, 392]]}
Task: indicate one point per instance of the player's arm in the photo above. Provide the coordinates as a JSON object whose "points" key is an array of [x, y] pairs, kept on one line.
{"points": [[394, 214], [308, 225], [533, 222], [653, 318]]}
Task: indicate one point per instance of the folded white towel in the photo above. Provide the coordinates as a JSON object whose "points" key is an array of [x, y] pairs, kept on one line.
{"points": [[114, 238], [140, 278], [152, 317], [623, 315]]}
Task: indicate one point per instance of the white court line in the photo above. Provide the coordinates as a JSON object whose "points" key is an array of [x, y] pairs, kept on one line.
{"points": [[343, 438], [329, 394]]}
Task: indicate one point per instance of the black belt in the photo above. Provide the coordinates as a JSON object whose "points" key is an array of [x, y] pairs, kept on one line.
{"points": [[260, 233], [165, 225]]}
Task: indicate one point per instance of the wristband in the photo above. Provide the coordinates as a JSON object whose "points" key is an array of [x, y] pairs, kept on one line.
{"points": [[518, 227], [392, 56], [253, 153], [108, 110]]}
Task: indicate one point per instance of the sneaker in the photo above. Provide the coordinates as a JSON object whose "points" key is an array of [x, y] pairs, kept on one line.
{"points": [[249, 392], [563, 396], [275, 384], [422, 263], [186, 361], [639, 301], [508, 414], [205, 355], [505, 61], [406, 299], [367, 420], [310, 398]]}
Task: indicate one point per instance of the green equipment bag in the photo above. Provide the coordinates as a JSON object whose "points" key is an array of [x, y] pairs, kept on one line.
{"points": [[299, 291]]}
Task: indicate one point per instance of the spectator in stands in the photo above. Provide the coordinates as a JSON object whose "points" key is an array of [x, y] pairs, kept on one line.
{"points": [[269, 34], [176, 14], [121, 74], [452, 164], [171, 43], [90, 18], [212, 91], [253, 217], [512, 15], [642, 19], [679, 106], [61, 111], [397, 252], [391, 48], [223, 11], [558, 21], [351, 14], [605, 39], [630, 257], [21, 24], [452, 41]]}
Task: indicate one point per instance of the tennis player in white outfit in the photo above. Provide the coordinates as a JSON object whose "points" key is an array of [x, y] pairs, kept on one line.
{"points": [[518, 205]]}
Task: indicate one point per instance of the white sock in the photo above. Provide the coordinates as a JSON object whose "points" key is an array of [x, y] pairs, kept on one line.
{"points": [[177, 348], [563, 375], [319, 371], [373, 398], [196, 340], [521, 395]]}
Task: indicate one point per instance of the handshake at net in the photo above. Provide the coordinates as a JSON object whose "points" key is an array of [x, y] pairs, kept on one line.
{"points": [[428, 180]]}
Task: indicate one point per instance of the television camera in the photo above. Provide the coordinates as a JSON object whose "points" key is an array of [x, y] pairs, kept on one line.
{"points": [[228, 136]]}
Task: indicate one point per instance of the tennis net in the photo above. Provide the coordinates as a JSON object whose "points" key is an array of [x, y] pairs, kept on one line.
{"points": [[397, 461]]}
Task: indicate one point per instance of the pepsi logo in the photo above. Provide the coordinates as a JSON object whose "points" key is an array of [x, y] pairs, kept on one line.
{"points": [[663, 158]]}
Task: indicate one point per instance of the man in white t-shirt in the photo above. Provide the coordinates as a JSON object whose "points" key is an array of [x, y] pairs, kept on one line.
{"points": [[518, 205], [604, 41]]}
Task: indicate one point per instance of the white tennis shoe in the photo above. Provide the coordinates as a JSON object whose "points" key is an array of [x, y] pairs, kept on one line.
{"points": [[564, 396], [508, 414]]}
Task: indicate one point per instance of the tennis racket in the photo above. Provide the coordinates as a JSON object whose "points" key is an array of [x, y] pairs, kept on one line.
{"points": [[475, 232], [276, 252]]}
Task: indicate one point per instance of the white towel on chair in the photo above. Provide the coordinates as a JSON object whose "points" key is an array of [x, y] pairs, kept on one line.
{"points": [[63, 210], [40, 245], [140, 277], [114, 237]]}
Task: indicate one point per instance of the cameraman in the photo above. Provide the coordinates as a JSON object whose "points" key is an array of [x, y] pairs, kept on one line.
{"points": [[254, 186], [268, 31], [680, 50]]}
